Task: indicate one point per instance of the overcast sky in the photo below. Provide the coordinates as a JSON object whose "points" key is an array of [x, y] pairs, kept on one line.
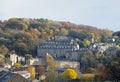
{"points": [[99, 13]]}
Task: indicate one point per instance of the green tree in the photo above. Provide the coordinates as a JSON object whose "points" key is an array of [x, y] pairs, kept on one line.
{"points": [[104, 39], [28, 56]]}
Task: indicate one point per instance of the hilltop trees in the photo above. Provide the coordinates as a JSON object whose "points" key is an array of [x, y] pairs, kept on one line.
{"points": [[3, 50], [23, 35]]}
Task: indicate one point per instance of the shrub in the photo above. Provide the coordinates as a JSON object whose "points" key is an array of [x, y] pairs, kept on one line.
{"points": [[88, 77], [70, 74], [17, 65]]}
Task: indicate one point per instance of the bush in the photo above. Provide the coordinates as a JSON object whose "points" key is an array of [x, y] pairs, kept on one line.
{"points": [[70, 74], [88, 77], [17, 65]]}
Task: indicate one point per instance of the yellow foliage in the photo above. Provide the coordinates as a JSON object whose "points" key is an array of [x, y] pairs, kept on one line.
{"points": [[64, 31], [97, 56], [25, 27], [117, 47], [44, 35], [88, 77], [17, 65], [31, 70], [50, 61], [93, 35], [87, 42], [70, 74], [96, 37]]}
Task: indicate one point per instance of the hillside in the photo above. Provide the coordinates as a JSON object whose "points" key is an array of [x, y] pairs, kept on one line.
{"points": [[22, 35]]}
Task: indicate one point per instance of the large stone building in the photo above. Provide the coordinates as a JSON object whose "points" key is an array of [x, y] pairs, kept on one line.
{"points": [[62, 51], [58, 49]]}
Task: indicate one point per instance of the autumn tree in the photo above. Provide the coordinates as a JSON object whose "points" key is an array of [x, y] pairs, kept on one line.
{"points": [[31, 70], [51, 75], [44, 34], [64, 31], [70, 74], [101, 73], [50, 61], [87, 43], [41, 69], [117, 47], [15, 23], [88, 77], [95, 36], [3, 49], [51, 35], [18, 65]]}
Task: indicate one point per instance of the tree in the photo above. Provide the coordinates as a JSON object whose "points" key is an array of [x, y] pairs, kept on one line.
{"points": [[51, 35], [50, 61], [44, 34], [100, 74], [3, 50], [104, 39], [117, 47], [41, 69], [31, 70], [51, 75], [87, 43], [82, 45], [17, 65], [95, 36], [88, 77], [70, 74], [88, 60], [64, 31], [28, 56], [114, 67]]}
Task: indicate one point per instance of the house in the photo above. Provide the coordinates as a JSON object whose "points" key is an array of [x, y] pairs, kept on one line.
{"points": [[14, 58], [100, 48], [33, 61], [6, 65], [11, 77], [67, 64], [24, 73]]}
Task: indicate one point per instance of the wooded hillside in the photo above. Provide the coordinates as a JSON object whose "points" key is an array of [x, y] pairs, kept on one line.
{"points": [[22, 35]]}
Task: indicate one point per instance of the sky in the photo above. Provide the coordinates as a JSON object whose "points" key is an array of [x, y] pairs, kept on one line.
{"points": [[103, 14]]}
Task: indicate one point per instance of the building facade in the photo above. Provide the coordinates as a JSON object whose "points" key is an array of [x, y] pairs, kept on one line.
{"points": [[57, 49]]}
